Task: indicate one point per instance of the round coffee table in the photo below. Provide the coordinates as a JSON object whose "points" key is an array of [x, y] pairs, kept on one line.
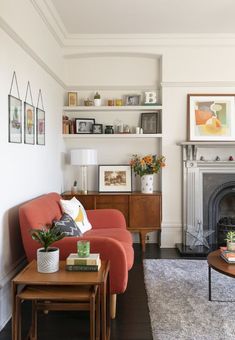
{"points": [[217, 263]]}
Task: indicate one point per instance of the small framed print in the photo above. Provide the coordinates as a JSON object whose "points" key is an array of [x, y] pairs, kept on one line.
{"points": [[72, 98], [15, 119], [29, 124], [151, 122], [84, 125], [97, 129], [132, 99], [115, 178], [40, 127]]}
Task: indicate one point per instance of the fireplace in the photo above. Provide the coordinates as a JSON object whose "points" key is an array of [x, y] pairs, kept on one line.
{"points": [[208, 197], [218, 206]]}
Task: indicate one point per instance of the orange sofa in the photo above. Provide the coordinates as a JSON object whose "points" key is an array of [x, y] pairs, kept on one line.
{"points": [[108, 236]]}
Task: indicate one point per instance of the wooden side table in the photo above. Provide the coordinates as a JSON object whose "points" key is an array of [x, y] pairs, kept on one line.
{"points": [[80, 285], [143, 212]]}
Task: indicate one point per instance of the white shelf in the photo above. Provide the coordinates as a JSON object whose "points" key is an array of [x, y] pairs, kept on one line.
{"points": [[124, 135], [112, 108]]}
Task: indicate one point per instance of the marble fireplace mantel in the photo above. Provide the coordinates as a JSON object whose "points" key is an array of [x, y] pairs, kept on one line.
{"points": [[193, 171]]}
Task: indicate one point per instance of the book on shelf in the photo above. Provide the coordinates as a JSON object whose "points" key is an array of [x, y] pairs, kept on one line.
{"points": [[83, 268], [74, 259]]}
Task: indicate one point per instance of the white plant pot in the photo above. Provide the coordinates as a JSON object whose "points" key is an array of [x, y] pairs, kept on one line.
{"points": [[48, 262], [97, 102], [147, 184], [231, 246]]}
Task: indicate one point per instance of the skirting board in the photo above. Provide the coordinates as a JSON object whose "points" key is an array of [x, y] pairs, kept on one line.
{"points": [[6, 294], [170, 235]]}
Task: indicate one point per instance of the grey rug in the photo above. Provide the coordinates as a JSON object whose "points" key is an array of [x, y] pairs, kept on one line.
{"points": [[178, 301]]}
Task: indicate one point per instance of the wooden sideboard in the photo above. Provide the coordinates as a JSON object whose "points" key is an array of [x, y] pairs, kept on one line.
{"points": [[142, 211]]}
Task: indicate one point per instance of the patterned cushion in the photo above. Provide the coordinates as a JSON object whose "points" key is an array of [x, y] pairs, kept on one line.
{"points": [[67, 225], [76, 210]]}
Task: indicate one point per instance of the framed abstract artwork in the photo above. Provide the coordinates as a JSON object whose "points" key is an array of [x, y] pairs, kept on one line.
{"points": [[15, 119], [211, 117], [115, 178]]}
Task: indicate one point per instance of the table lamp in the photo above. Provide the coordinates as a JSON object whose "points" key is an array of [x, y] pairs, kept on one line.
{"points": [[83, 157]]}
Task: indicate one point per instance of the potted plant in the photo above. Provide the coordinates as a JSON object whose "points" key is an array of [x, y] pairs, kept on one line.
{"points": [[230, 238], [97, 99], [146, 167], [47, 257], [74, 188]]}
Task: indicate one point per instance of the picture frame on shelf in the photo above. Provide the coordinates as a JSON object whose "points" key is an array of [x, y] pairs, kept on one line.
{"points": [[84, 125], [72, 99], [14, 119], [97, 129], [40, 127], [29, 123], [151, 122], [132, 99], [211, 117], [115, 178]]}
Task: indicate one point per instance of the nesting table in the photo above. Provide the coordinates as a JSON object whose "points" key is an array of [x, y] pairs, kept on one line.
{"points": [[63, 290]]}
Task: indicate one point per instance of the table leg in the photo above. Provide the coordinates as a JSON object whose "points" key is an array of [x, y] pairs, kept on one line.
{"points": [[34, 320], [97, 330], [14, 316], [103, 293], [108, 316], [209, 282]]}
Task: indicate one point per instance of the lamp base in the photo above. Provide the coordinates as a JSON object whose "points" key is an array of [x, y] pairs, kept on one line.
{"points": [[84, 192]]}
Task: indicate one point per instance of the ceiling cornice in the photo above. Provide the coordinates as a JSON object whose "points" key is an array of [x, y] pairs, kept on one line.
{"points": [[51, 18]]}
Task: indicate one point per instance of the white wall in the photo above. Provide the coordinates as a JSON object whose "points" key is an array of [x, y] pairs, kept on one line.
{"points": [[26, 171], [192, 66]]}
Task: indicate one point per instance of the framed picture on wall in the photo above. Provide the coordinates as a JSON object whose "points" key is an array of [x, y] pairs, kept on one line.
{"points": [[29, 124], [211, 117], [40, 127], [115, 178], [15, 119]]}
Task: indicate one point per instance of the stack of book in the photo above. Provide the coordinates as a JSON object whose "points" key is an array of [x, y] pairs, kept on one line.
{"points": [[75, 263], [228, 256]]}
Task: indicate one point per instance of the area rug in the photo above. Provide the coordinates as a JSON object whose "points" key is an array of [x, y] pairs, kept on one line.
{"points": [[178, 301]]}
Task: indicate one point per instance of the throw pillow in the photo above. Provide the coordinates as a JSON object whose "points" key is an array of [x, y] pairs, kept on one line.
{"points": [[67, 225], [76, 210]]}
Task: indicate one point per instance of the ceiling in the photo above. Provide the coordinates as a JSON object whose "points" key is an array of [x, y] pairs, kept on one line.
{"points": [[145, 16]]}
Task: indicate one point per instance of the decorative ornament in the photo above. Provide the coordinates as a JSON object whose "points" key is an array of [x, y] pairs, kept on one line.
{"points": [[202, 158], [217, 159], [199, 236], [231, 158], [150, 97]]}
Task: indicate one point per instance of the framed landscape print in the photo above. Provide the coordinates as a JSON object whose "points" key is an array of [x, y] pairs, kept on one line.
{"points": [[114, 178], [15, 119], [40, 127], [211, 117], [29, 124]]}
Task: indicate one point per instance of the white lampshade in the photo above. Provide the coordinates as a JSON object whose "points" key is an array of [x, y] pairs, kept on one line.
{"points": [[83, 157]]}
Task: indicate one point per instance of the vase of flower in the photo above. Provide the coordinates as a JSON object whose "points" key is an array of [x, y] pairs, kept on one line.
{"points": [[147, 184], [146, 167]]}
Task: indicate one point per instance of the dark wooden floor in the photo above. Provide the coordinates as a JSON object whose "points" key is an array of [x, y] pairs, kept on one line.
{"points": [[132, 321]]}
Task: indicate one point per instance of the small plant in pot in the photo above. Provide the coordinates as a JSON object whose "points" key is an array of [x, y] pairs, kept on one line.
{"points": [[230, 238], [47, 257]]}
